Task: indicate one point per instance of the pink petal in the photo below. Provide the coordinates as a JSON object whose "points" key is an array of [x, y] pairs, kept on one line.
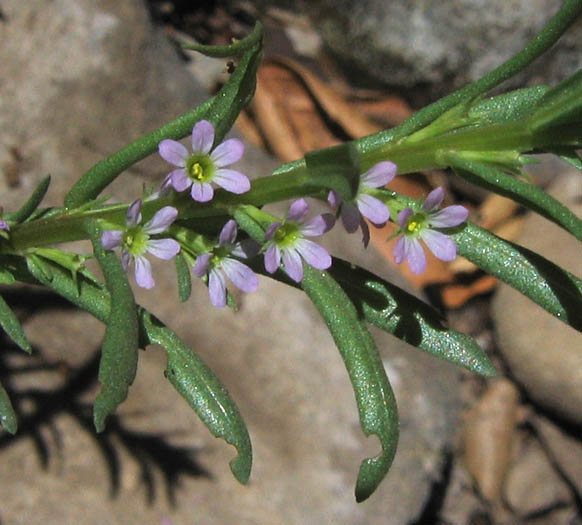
{"points": [[449, 216], [400, 249], [272, 258], [293, 265], [415, 256], [350, 217], [271, 229], [173, 152], [202, 191], [227, 153], [379, 175], [180, 180], [232, 180], [202, 137], [126, 258], [143, 273], [111, 239], [372, 208], [440, 244], [298, 210], [403, 216], [161, 220], [228, 233], [434, 199], [314, 254], [334, 199], [318, 225], [240, 274], [133, 213], [217, 288], [200, 268], [163, 248]]}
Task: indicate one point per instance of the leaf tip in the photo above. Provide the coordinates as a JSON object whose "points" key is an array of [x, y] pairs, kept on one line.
{"points": [[240, 467]]}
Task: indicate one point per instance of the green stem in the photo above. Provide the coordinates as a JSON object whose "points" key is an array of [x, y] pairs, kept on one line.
{"points": [[286, 185], [373, 146]]}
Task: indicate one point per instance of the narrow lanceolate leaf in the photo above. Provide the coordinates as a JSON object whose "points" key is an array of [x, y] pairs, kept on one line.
{"points": [[8, 419], [118, 363], [187, 372], [6, 276], [376, 403], [11, 326], [560, 106], [236, 49], [395, 311], [33, 202], [184, 277], [198, 385], [553, 288], [520, 191], [514, 105]]}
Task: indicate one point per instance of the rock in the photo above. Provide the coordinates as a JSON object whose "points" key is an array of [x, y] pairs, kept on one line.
{"points": [[444, 44], [542, 352], [564, 448], [82, 79], [532, 484]]}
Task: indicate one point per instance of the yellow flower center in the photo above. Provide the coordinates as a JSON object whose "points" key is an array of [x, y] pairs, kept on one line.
{"points": [[200, 168]]}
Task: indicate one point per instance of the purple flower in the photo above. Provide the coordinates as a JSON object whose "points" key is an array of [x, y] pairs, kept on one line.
{"points": [[419, 225], [218, 265], [4, 225], [135, 241], [287, 241], [364, 204], [204, 165]]}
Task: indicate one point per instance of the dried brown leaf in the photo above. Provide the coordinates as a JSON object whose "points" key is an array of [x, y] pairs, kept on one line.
{"points": [[489, 430]]}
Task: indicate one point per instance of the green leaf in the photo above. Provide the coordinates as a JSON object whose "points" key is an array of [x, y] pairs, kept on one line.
{"points": [[236, 49], [376, 403], [33, 202], [198, 385], [514, 105], [6, 276], [11, 325], [118, 364], [560, 106], [194, 380], [395, 311], [7, 415], [509, 186], [222, 110], [184, 277], [553, 288]]}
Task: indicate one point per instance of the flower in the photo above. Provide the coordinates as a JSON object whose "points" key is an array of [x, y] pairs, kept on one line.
{"points": [[4, 225], [199, 169], [287, 241], [218, 265], [418, 225], [365, 205], [135, 241]]}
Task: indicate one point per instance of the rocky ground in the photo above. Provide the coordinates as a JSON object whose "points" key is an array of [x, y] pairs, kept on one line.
{"points": [[81, 79]]}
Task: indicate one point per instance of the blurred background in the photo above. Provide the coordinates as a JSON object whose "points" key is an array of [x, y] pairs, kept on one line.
{"points": [[81, 79]]}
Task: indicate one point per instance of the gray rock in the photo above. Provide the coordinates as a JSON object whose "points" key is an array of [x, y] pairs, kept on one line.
{"points": [[543, 353], [441, 43], [81, 79]]}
